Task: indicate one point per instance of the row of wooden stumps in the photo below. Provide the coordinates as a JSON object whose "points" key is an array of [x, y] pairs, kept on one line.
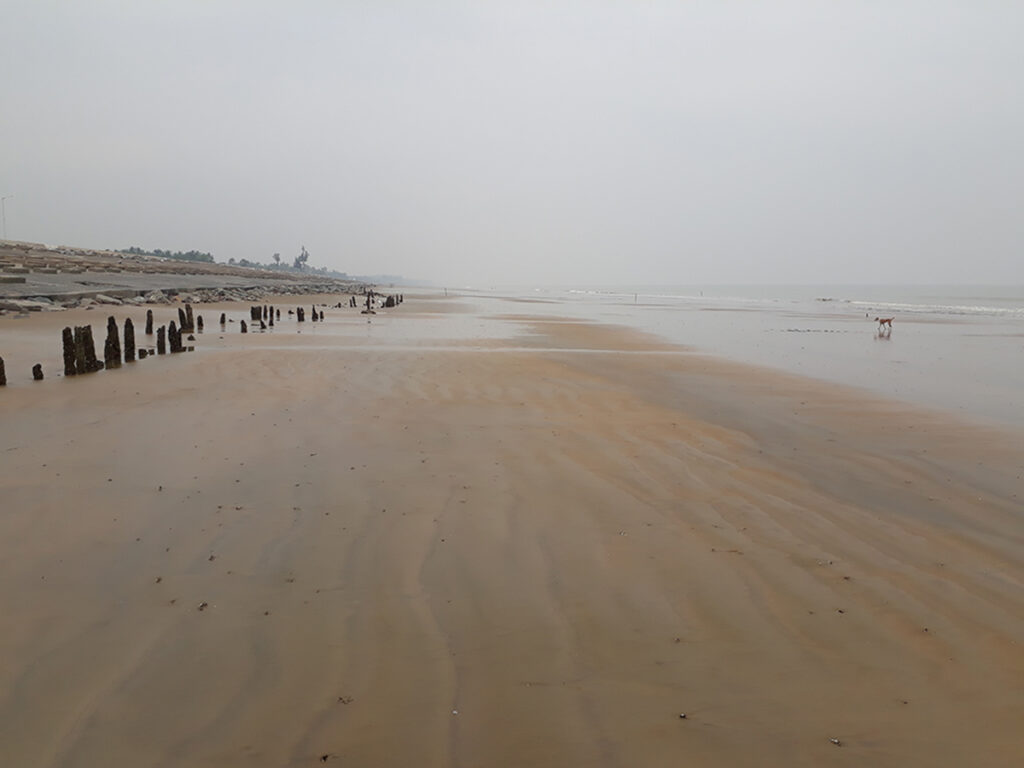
{"points": [[265, 316], [371, 298], [80, 354], [261, 314], [79, 348]]}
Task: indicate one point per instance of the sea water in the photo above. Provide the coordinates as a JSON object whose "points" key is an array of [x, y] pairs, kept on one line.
{"points": [[956, 348]]}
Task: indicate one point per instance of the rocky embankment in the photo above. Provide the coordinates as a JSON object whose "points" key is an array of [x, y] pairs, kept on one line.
{"points": [[197, 296], [35, 278]]}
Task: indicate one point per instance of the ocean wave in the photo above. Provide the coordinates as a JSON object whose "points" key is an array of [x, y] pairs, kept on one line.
{"points": [[939, 309]]}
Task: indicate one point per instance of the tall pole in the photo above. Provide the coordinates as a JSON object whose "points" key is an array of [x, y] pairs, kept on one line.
{"points": [[3, 214]]}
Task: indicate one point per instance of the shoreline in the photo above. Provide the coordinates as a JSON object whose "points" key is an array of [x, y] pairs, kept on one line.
{"points": [[541, 549], [969, 366]]}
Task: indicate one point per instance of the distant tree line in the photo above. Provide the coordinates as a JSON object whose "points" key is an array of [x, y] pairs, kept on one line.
{"points": [[299, 264], [179, 255]]}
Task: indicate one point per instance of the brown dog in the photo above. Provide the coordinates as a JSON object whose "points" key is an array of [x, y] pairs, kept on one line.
{"points": [[883, 321]]}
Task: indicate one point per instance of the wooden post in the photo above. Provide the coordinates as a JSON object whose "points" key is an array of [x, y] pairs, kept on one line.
{"points": [[243, 326], [190, 326], [129, 340], [174, 338], [68, 342], [37, 372], [3, 374], [199, 323], [223, 319], [85, 350], [80, 364], [149, 322], [112, 347], [161, 340]]}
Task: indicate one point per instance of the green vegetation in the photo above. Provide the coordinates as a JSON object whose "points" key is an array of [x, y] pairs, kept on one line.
{"points": [[179, 255], [300, 263]]}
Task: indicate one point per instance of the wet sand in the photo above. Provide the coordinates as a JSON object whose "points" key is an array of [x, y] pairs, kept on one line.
{"points": [[525, 550]]}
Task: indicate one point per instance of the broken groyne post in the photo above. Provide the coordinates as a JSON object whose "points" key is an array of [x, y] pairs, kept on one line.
{"points": [[199, 323], [3, 374], [112, 347], [223, 319], [85, 350], [37, 372], [243, 326], [67, 339], [174, 338], [190, 323], [129, 340], [149, 322], [161, 340]]}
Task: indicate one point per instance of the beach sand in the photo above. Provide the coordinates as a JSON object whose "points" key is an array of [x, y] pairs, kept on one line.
{"points": [[383, 550]]}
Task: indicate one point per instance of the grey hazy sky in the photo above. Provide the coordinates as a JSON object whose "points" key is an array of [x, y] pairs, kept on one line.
{"points": [[527, 142]]}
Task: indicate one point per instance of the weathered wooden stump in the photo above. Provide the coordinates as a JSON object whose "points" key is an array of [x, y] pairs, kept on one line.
{"points": [[264, 315], [263, 326], [223, 319], [271, 321], [143, 354], [244, 328], [315, 316], [79, 343], [174, 338], [279, 314], [85, 350], [161, 340], [254, 314], [199, 323], [67, 339], [37, 372], [3, 374], [190, 323], [300, 314], [149, 322], [389, 302], [129, 340], [112, 347], [182, 321]]}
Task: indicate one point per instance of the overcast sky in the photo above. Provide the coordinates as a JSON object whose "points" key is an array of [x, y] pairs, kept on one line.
{"points": [[527, 142]]}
